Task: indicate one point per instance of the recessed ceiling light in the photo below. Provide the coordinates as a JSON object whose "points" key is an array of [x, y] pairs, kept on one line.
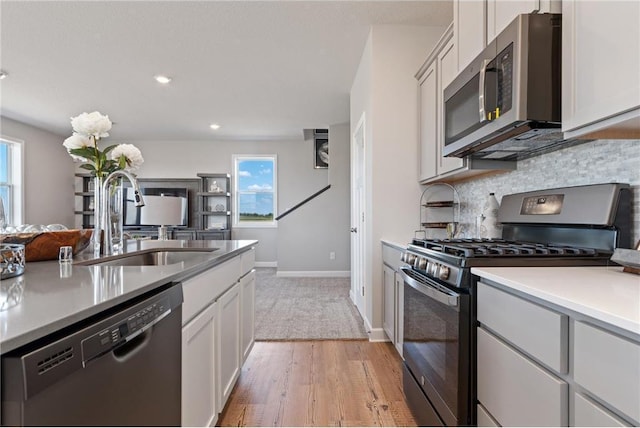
{"points": [[214, 126], [3, 74], [162, 79]]}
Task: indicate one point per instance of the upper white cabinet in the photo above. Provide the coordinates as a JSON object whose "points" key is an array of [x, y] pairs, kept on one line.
{"points": [[469, 27], [601, 69], [439, 70], [477, 23]]}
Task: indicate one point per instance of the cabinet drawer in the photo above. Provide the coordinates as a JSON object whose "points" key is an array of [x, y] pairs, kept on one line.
{"points": [[516, 391], [206, 287], [247, 261], [609, 367], [586, 413], [540, 332]]}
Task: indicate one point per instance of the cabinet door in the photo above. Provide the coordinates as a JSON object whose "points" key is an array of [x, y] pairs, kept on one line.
{"points": [[399, 312], [228, 341], [428, 123], [248, 293], [388, 304], [447, 71], [199, 402], [586, 413], [600, 66], [500, 13], [469, 30]]}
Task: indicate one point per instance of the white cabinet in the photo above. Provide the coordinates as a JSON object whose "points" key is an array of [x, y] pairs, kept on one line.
{"points": [[514, 390], [248, 296], [477, 23], [608, 367], [217, 335], [439, 70], [393, 295], [600, 69], [469, 28], [428, 94], [389, 302], [524, 376], [199, 391], [228, 341]]}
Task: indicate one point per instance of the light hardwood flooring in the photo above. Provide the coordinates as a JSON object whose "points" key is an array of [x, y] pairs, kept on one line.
{"points": [[319, 383]]}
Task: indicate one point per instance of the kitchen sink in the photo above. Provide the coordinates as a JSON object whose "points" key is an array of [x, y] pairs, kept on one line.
{"points": [[151, 258]]}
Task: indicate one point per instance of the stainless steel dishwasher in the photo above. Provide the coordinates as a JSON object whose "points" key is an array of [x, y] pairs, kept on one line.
{"points": [[121, 367]]}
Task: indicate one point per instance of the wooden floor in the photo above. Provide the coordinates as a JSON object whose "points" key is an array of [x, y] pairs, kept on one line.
{"points": [[319, 383]]}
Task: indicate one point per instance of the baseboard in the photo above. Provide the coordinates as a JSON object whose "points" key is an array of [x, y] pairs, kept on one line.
{"points": [[378, 335], [315, 274], [267, 264]]}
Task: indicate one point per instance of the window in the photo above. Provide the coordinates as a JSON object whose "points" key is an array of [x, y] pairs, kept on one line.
{"points": [[255, 191], [11, 180]]}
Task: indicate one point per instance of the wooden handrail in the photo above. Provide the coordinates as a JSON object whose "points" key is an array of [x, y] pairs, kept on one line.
{"points": [[298, 205]]}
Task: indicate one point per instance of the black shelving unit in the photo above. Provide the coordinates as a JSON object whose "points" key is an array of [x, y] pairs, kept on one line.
{"points": [[215, 206]]}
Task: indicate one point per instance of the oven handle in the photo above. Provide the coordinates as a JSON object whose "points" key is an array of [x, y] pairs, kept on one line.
{"points": [[449, 298]]}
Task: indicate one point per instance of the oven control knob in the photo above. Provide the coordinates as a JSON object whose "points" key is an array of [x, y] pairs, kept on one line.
{"points": [[403, 257], [431, 268], [444, 272], [421, 263], [410, 259]]}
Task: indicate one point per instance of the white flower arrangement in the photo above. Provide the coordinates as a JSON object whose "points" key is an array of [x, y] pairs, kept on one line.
{"points": [[82, 146]]}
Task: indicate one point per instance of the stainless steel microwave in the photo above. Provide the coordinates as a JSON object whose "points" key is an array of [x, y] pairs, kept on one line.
{"points": [[506, 104]]}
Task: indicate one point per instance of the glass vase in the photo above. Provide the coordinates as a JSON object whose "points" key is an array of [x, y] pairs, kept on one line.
{"points": [[115, 231], [96, 237]]}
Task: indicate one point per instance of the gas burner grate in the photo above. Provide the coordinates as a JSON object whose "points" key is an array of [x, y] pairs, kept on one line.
{"points": [[468, 248]]}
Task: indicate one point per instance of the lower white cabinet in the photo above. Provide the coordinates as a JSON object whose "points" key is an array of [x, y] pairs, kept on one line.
{"points": [[228, 341], [217, 335], [199, 390], [515, 390], [248, 296], [524, 377], [389, 302], [393, 295]]}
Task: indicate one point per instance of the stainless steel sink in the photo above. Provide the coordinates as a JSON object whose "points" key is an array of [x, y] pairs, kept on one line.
{"points": [[151, 258]]}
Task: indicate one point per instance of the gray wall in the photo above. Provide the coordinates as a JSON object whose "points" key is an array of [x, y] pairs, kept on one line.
{"points": [[297, 179], [309, 234], [48, 174], [600, 161]]}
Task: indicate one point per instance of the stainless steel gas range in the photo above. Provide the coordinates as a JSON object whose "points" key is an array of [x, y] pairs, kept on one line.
{"points": [[571, 226]]}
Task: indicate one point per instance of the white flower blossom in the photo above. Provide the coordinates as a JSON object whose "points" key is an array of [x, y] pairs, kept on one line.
{"points": [[91, 124], [77, 141], [132, 156]]}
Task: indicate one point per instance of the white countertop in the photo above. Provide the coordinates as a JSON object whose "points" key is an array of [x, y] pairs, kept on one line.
{"points": [[604, 293], [52, 296]]}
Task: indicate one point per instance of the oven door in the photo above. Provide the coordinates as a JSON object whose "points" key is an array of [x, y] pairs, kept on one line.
{"points": [[437, 346]]}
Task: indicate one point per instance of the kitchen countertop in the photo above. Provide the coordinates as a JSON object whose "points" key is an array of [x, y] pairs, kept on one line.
{"points": [[604, 293], [395, 245], [55, 296]]}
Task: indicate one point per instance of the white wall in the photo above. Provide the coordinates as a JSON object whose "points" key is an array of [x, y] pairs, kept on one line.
{"points": [[48, 174], [385, 90]]}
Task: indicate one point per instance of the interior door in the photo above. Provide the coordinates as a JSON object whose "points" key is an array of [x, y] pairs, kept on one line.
{"points": [[357, 215]]}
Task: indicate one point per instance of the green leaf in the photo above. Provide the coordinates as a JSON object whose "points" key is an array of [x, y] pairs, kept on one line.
{"points": [[108, 149], [88, 166]]}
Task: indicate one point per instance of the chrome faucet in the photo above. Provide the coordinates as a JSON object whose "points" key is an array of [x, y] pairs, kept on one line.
{"points": [[106, 207]]}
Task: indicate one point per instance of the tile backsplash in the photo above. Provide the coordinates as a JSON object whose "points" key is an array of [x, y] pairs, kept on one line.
{"points": [[600, 161]]}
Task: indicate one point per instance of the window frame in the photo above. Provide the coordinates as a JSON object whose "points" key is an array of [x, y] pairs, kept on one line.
{"points": [[236, 192], [15, 160]]}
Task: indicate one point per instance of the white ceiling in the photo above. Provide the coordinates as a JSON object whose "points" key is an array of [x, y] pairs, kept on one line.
{"points": [[261, 69]]}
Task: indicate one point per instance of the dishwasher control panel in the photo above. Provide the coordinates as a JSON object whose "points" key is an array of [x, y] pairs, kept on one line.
{"points": [[124, 330]]}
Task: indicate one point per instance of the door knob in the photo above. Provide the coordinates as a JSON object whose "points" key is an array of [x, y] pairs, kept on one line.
{"points": [[354, 230]]}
